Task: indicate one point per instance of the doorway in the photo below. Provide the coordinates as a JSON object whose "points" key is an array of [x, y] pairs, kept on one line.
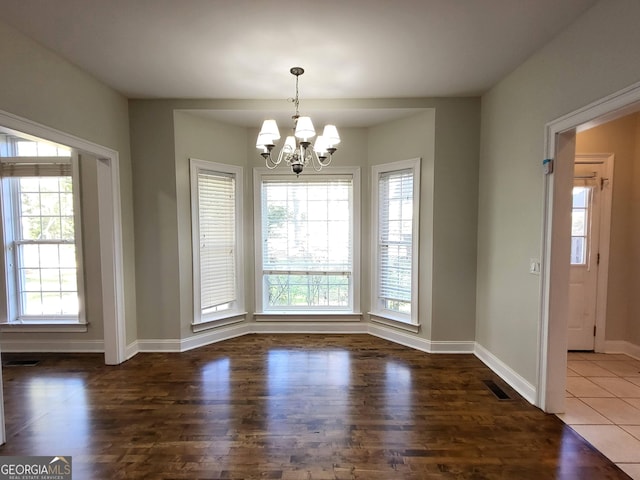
{"points": [[560, 140], [110, 234]]}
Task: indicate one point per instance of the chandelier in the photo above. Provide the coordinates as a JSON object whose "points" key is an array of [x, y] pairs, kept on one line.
{"points": [[297, 151]]}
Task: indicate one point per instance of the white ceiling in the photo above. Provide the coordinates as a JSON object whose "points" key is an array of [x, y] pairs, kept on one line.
{"points": [[243, 49]]}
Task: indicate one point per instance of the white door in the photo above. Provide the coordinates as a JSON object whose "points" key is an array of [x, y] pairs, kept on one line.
{"points": [[583, 275]]}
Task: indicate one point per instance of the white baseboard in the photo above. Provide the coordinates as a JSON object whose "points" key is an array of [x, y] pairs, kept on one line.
{"points": [[215, 335], [518, 383], [621, 346], [413, 341], [151, 345], [131, 350], [56, 346], [453, 347]]}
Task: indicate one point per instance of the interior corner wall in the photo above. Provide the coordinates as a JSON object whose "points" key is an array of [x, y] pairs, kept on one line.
{"points": [[594, 57], [156, 222], [38, 85], [446, 137], [204, 139], [619, 137]]}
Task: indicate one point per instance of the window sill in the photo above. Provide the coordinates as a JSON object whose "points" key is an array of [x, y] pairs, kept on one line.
{"points": [[44, 327], [394, 322], [218, 322], [307, 316]]}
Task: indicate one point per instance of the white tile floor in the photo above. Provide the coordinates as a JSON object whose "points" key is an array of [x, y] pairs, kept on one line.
{"points": [[603, 405]]}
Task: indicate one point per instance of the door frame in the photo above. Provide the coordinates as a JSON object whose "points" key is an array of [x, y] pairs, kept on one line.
{"points": [[560, 146], [110, 229]]}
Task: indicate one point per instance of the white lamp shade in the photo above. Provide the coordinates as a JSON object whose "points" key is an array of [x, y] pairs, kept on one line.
{"points": [[264, 139], [270, 127], [321, 144], [331, 136], [304, 128], [289, 145]]}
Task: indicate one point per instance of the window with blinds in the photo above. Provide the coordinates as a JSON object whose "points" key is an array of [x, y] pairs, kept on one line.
{"points": [[217, 218], [40, 211], [395, 215], [307, 243]]}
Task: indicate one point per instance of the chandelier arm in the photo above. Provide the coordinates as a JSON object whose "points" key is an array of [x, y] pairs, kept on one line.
{"points": [[282, 155], [314, 160], [327, 161], [270, 163]]}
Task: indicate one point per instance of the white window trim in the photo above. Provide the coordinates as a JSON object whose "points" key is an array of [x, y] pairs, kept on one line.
{"points": [[376, 308], [216, 319], [9, 205], [258, 175]]}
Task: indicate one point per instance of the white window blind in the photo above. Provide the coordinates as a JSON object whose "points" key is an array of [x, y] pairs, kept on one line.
{"points": [[217, 221], [307, 250], [395, 239]]}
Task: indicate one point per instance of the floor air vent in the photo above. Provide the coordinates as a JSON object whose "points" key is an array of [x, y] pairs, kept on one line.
{"points": [[496, 390], [21, 363]]}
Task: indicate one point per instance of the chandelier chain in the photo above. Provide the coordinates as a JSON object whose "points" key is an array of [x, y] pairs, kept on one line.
{"points": [[296, 101]]}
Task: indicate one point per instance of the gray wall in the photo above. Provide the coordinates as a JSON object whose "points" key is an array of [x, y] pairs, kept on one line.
{"points": [[594, 57], [38, 85]]}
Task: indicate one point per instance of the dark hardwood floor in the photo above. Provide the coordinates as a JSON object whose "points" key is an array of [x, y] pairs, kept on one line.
{"points": [[289, 407]]}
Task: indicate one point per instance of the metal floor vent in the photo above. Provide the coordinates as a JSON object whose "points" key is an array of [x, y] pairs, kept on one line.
{"points": [[496, 390], [21, 363]]}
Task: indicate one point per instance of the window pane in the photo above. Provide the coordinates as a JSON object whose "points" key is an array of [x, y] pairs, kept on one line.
{"points": [[30, 203], [31, 279], [50, 278], [50, 204], [69, 304], [31, 303], [49, 255], [67, 256], [580, 197], [49, 184], [30, 256], [51, 303], [68, 280], [578, 253], [578, 219], [31, 228]]}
